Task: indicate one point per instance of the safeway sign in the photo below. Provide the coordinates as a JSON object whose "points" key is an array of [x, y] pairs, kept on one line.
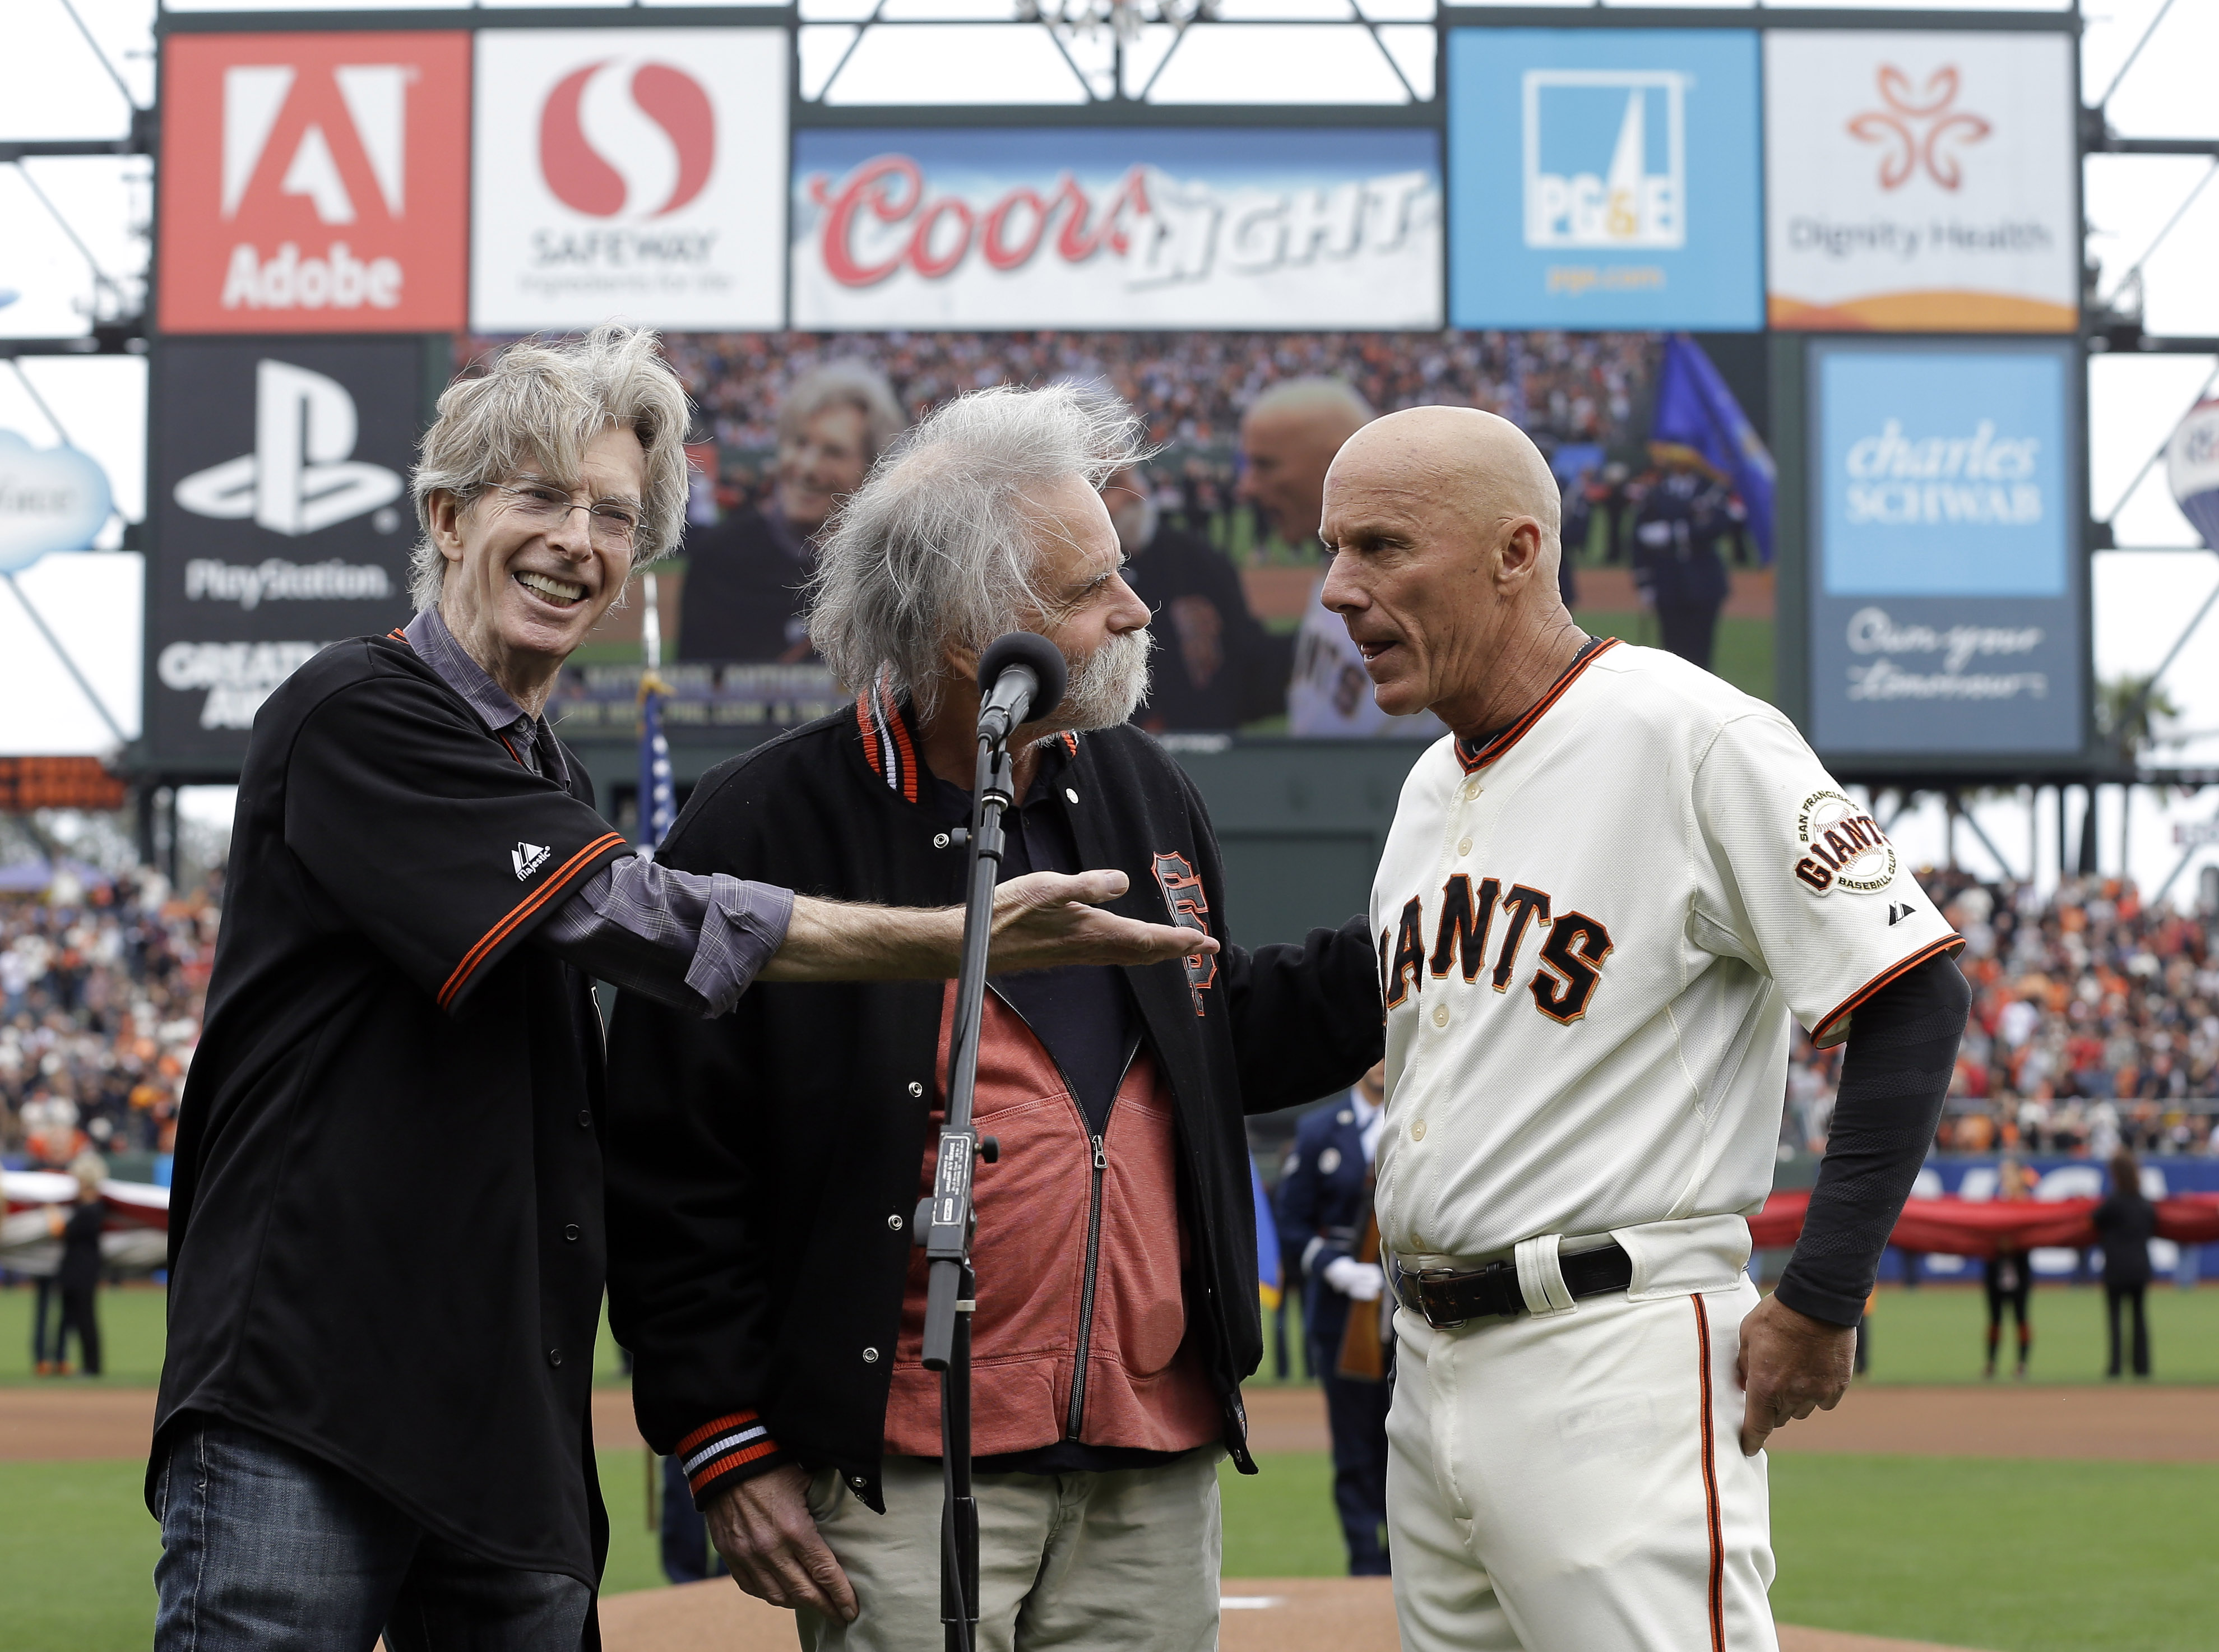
{"points": [[632, 172], [314, 183]]}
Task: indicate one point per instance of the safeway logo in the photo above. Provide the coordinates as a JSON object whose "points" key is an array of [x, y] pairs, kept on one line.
{"points": [[312, 183], [301, 475], [656, 132]]}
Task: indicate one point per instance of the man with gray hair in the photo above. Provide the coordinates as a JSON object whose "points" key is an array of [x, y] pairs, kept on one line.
{"points": [[765, 1171], [386, 1240], [744, 576]]}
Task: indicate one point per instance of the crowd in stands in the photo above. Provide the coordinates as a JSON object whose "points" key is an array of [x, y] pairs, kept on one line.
{"points": [[2095, 1025], [100, 1009], [2095, 1022], [1193, 387]]}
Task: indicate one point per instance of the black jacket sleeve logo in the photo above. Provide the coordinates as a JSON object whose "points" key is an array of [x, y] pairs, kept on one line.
{"points": [[1190, 909]]}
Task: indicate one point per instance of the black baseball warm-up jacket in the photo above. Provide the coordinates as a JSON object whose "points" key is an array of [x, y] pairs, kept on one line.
{"points": [[753, 1159]]}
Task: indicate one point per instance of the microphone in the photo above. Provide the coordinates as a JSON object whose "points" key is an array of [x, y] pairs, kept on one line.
{"points": [[1022, 677]]}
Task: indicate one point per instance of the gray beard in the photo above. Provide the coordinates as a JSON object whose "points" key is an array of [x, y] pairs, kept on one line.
{"points": [[1107, 686]]}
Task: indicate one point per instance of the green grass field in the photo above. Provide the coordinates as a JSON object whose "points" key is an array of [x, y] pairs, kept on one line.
{"points": [[78, 1550], [2011, 1556]]}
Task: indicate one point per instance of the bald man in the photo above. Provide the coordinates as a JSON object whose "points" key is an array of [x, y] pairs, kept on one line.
{"points": [[1601, 899], [1288, 439]]}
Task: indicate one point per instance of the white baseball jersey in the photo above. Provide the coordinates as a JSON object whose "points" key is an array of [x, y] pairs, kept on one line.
{"points": [[1331, 692], [1591, 931]]}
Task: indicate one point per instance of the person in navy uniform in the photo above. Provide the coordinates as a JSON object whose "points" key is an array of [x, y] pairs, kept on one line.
{"points": [[1325, 1202], [1684, 520]]}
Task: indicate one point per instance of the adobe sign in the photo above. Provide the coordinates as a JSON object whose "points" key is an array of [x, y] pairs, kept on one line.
{"points": [[314, 182]]}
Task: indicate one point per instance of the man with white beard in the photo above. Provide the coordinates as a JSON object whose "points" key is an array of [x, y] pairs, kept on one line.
{"points": [[766, 1169]]}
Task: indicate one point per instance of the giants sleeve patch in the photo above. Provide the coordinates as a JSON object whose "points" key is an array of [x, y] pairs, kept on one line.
{"points": [[1190, 908], [1843, 847]]}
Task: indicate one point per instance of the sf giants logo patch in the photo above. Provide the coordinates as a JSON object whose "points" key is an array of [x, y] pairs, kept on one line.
{"points": [[1846, 847], [1190, 909]]}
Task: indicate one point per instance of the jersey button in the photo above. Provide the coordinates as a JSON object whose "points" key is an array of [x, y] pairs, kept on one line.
{"points": [[572, 1232], [1418, 1130], [1465, 846], [1440, 1015], [585, 1118], [554, 1355]]}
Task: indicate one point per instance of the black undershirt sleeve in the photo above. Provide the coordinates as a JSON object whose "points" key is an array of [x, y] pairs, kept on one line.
{"points": [[1895, 1073]]}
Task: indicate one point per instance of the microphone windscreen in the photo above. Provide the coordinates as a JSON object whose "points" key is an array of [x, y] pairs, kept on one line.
{"points": [[1037, 654]]}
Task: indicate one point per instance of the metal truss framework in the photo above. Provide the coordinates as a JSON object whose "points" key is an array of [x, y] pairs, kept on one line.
{"points": [[1119, 61]]}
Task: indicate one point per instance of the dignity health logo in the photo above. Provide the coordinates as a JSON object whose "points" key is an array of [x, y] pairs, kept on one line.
{"points": [[1637, 196], [1897, 480]]}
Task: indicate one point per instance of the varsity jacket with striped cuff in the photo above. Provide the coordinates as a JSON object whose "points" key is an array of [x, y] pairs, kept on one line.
{"points": [[763, 1168]]}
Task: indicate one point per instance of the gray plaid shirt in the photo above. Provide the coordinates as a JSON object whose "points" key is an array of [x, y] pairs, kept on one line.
{"points": [[687, 940]]}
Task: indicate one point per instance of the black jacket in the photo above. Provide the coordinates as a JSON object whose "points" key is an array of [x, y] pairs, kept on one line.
{"points": [[385, 1232], [756, 1161], [742, 599], [2128, 1222], [1215, 667], [80, 1269]]}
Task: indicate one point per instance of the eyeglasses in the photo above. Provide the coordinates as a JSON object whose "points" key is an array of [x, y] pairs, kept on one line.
{"points": [[612, 526]]}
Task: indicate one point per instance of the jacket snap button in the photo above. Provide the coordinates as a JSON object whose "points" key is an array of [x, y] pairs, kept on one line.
{"points": [[554, 1355], [940, 840], [1071, 794], [585, 1118], [856, 1480], [870, 1356], [894, 1223], [915, 1087], [571, 1233]]}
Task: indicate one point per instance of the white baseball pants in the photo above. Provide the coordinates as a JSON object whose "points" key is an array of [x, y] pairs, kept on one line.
{"points": [[1574, 1483]]}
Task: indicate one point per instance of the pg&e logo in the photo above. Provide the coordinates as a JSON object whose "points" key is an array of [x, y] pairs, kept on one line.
{"points": [[314, 182], [1606, 158]]}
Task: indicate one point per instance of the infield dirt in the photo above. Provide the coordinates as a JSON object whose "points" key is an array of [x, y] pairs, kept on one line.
{"points": [[2137, 1424]]}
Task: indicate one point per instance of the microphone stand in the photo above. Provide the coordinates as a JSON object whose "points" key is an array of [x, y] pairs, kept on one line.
{"points": [[946, 1229]]}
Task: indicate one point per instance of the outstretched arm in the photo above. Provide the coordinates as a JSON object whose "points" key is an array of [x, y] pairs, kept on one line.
{"points": [[696, 941], [1797, 1346], [1042, 920]]}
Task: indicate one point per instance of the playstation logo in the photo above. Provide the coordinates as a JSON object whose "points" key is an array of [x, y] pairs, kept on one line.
{"points": [[1606, 159], [299, 478]]}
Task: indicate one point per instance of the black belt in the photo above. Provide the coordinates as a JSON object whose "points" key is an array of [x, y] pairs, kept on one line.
{"points": [[1444, 1297]]}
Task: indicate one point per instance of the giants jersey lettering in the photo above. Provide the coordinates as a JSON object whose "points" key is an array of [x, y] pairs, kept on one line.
{"points": [[1592, 933]]}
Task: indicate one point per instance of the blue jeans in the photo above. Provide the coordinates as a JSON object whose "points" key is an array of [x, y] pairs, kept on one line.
{"points": [[265, 1547]]}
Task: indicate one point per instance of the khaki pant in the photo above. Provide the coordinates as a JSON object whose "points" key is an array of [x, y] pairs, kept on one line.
{"points": [[1104, 1561], [1559, 1484]]}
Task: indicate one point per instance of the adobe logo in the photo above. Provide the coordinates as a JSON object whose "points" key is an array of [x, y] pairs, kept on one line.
{"points": [[314, 182], [651, 146]]}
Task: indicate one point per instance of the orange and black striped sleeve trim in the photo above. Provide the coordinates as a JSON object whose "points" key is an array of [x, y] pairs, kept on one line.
{"points": [[1475, 758], [1831, 1027], [716, 1449], [563, 877]]}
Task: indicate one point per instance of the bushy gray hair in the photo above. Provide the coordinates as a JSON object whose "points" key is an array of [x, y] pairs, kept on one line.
{"points": [[937, 550], [538, 408], [844, 384]]}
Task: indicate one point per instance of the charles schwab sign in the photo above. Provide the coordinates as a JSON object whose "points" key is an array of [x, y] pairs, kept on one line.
{"points": [[1946, 606], [282, 523]]}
